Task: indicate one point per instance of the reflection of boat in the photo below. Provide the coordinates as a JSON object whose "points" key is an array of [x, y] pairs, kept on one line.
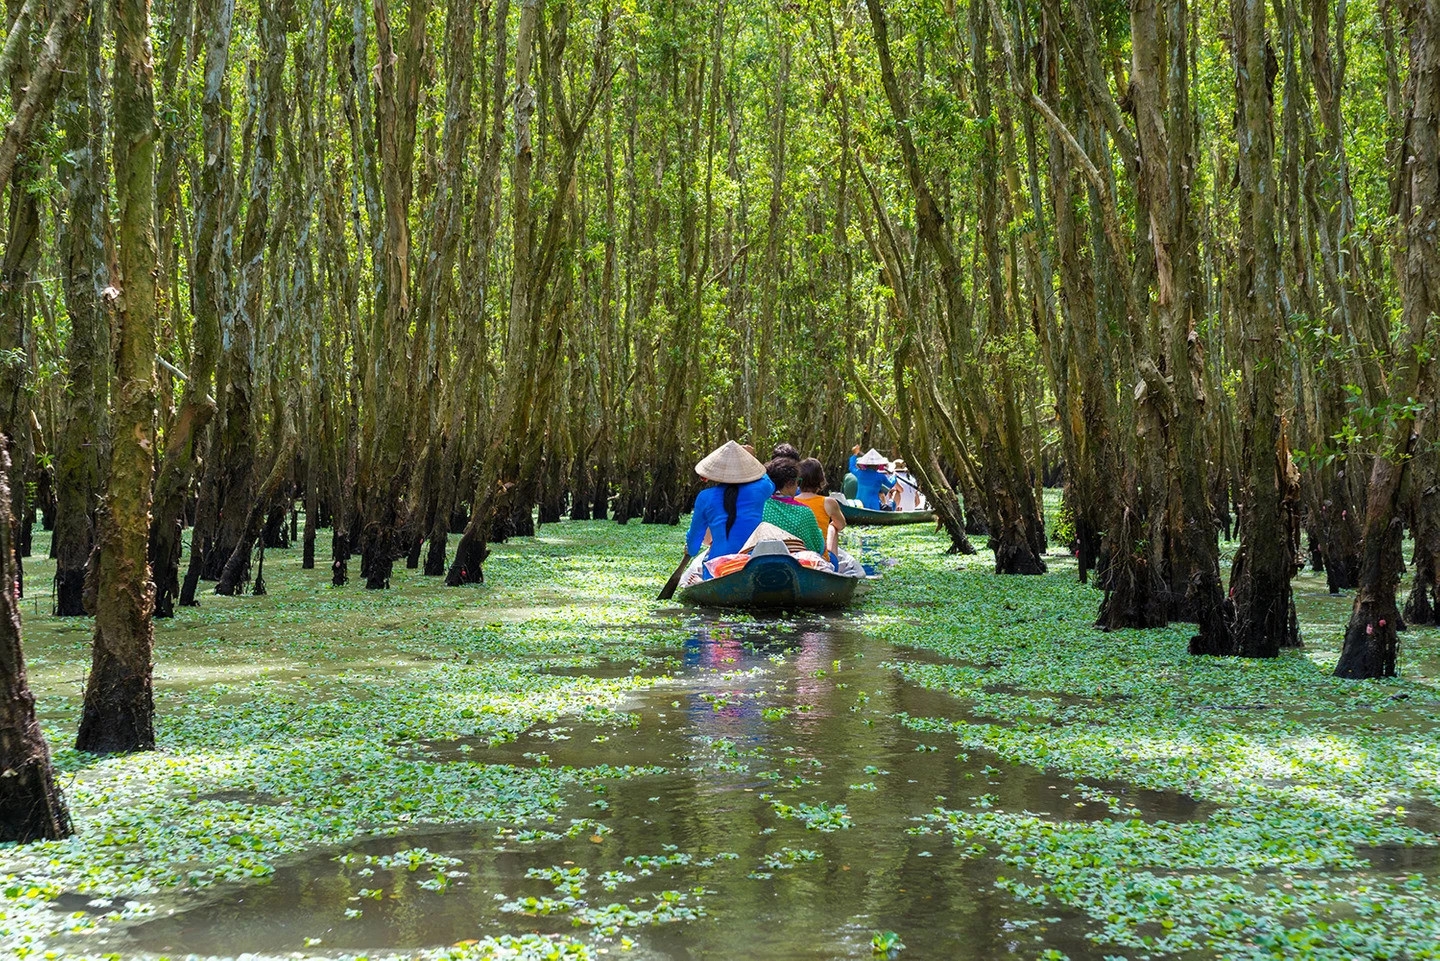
{"points": [[863, 516], [772, 582]]}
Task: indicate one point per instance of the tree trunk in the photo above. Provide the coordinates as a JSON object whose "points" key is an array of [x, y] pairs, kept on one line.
{"points": [[237, 566], [31, 805], [1423, 605], [172, 492], [119, 711], [17, 267], [1016, 529], [233, 446], [1086, 409], [387, 461], [185, 435], [507, 481], [1370, 637], [40, 88], [1261, 590], [81, 447], [1013, 519]]}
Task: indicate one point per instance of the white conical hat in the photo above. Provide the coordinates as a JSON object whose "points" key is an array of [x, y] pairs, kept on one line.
{"points": [[730, 464], [872, 458]]}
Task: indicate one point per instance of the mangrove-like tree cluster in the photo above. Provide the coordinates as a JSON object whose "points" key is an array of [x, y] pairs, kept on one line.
{"points": [[428, 273]]}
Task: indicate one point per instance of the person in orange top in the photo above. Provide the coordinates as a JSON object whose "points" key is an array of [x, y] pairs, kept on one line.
{"points": [[826, 509]]}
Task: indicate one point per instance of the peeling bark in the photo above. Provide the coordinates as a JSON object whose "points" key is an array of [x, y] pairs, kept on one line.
{"points": [[119, 709]]}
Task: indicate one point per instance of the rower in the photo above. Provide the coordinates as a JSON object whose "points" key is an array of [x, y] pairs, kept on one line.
{"points": [[727, 513], [874, 486]]}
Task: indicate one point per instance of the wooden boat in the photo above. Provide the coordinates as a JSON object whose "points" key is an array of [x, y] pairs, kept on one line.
{"points": [[864, 517], [773, 582]]}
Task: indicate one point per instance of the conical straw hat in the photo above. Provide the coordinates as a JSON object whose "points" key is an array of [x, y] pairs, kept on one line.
{"points": [[872, 458], [730, 464], [766, 531]]}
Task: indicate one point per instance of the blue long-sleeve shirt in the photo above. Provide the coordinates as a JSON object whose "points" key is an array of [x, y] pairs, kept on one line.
{"points": [[871, 483], [710, 515]]}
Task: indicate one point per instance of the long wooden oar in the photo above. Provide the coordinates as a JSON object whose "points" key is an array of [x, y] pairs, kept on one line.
{"points": [[668, 591]]}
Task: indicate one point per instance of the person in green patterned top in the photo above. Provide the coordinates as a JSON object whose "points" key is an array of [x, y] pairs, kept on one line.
{"points": [[784, 511]]}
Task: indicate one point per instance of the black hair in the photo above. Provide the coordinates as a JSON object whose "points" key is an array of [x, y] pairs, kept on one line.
{"points": [[731, 499], [782, 471], [812, 476], [785, 450]]}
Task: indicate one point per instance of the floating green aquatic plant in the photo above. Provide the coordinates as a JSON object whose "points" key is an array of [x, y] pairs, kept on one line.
{"points": [[886, 944]]}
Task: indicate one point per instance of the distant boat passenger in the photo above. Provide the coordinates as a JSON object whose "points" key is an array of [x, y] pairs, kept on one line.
{"points": [[850, 483], [728, 513], [874, 484], [907, 495]]}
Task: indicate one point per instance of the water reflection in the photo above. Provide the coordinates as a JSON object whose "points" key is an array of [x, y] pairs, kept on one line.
{"points": [[760, 721]]}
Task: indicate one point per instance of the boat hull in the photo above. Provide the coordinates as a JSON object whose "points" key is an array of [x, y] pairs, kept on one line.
{"points": [[773, 583], [864, 517]]}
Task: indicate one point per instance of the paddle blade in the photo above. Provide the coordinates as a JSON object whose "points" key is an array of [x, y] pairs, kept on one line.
{"points": [[668, 591]]}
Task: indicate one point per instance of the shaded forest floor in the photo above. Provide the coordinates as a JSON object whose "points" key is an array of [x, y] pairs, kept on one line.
{"points": [[553, 765]]}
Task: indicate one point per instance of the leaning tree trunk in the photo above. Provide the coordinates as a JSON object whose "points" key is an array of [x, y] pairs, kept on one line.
{"points": [[185, 441], [119, 712], [237, 565], [1370, 637], [456, 438], [234, 441], [1016, 526], [387, 467], [32, 100], [508, 481], [31, 805], [931, 475], [1014, 521], [172, 492]]}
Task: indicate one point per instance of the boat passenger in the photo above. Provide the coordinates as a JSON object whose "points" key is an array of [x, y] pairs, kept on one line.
{"points": [[783, 449], [873, 481], [828, 515], [728, 513], [850, 484], [787, 513], [890, 499], [826, 509], [907, 495]]}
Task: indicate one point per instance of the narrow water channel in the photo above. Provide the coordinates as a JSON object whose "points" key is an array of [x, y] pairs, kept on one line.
{"points": [[780, 819]]}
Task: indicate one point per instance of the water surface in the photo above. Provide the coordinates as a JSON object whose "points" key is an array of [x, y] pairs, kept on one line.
{"points": [[760, 726]]}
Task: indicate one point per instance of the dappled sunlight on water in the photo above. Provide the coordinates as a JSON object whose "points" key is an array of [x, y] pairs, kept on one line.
{"points": [[755, 724]]}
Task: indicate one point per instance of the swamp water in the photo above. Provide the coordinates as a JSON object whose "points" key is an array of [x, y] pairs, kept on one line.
{"points": [[778, 813]]}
